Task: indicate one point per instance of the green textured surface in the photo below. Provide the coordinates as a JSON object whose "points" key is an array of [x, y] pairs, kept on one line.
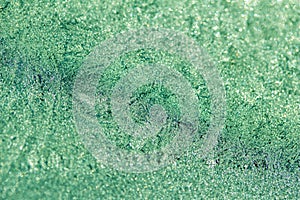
{"points": [[256, 47]]}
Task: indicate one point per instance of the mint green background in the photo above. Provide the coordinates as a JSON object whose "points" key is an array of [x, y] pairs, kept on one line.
{"points": [[254, 45]]}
